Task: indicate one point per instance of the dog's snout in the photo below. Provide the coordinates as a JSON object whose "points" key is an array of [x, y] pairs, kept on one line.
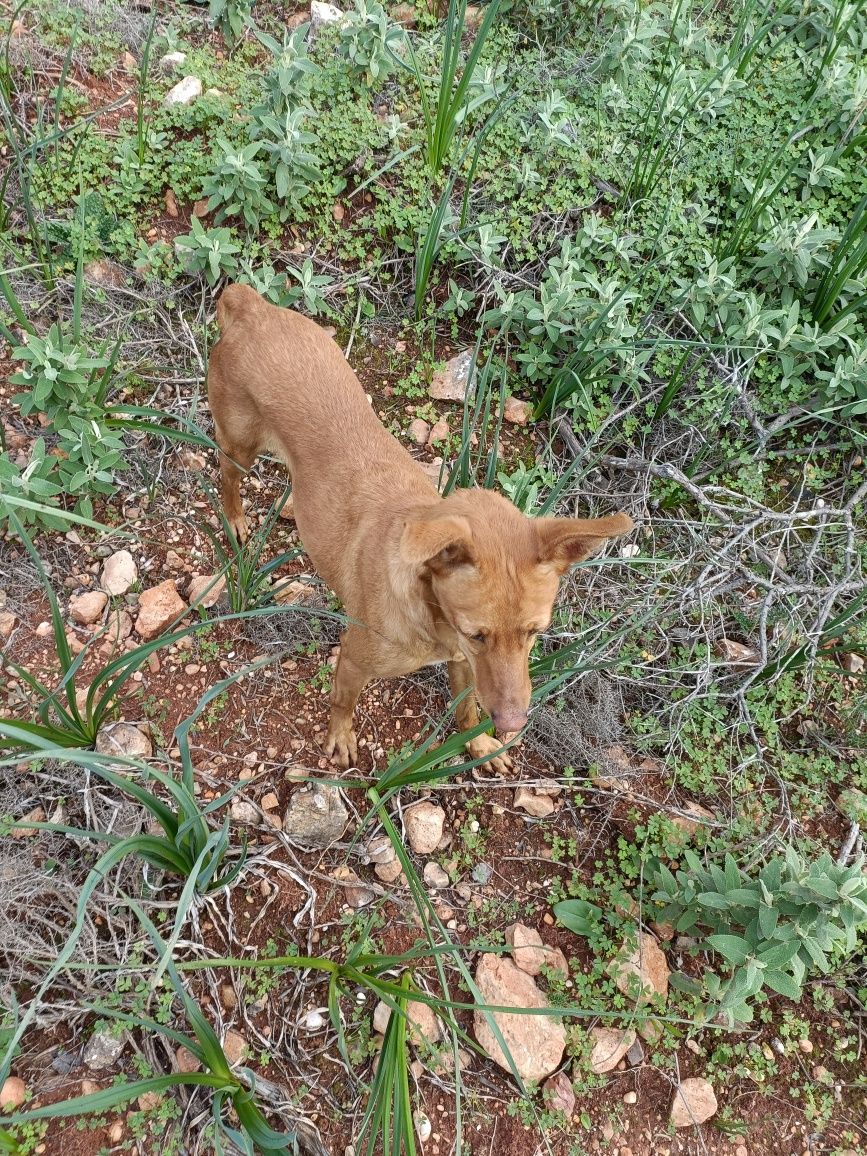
{"points": [[507, 722]]}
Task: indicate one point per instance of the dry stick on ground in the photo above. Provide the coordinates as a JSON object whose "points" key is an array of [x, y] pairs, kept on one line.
{"points": [[739, 558]]}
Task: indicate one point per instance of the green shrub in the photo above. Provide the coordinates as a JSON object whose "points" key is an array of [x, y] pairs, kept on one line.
{"points": [[774, 928], [236, 184], [368, 42]]}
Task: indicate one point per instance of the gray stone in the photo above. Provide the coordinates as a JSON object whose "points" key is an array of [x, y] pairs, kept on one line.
{"points": [[172, 61], [103, 1050], [124, 739], [316, 816]]}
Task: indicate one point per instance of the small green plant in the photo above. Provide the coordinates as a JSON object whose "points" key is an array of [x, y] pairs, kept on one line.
{"points": [[442, 122], [249, 580], [249, 1131], [209, 251], [791, 919], [369, 42], [308, 291], [291, 75], [32, 491], [288, 147], [232, 17], [236, 185]]}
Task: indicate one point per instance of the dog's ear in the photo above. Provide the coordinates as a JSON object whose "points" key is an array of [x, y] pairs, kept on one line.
{"points": [[565, 541], [440, 544]]}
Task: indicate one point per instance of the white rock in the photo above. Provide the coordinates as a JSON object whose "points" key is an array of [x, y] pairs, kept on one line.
{"points": [[119, 573], [314, 1021], [423, 1127], [172, 61], [322, 13], [103, 1049], [424, 824], [184, 92], [453, 382], [435, 876]]}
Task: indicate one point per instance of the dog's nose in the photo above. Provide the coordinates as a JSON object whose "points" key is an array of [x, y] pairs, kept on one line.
{"points": [[507, 722]]}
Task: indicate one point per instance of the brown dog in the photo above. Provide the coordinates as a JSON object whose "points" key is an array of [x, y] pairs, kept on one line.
{"points": [[467, 579]]}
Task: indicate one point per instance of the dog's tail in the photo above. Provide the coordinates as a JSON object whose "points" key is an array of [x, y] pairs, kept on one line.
{"points": [[235, 302]]}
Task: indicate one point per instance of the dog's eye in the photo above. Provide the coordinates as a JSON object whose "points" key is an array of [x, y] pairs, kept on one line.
{"points": [[480, 637]]}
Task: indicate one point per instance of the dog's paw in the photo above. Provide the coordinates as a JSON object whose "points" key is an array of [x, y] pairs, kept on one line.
{"points": [[341, 747], [491, 750], [238, 526]]}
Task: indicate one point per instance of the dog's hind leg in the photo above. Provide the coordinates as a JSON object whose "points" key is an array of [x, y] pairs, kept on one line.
{"points": [[236, 457]]}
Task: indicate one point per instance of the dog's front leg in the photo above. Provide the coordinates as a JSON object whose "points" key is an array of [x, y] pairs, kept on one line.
{"points": [[467, 717], [350, 678]]}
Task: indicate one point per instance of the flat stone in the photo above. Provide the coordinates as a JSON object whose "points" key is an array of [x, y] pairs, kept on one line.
{"points": [[528, 951], [243, 811], [419, 431], [539, 806], [186, 1061], [322, 13], [205, 590], [355, 893], [424, 1024], [381, 850], [37, 815], [316, 816], [235, 1046], [559, 1094], [516, 411], [103, 1050], [172, 61], [124, 739], [158, 609], [388, 872], [644, 963], [535, 1043], [452, 383], [435, 876], [736, 653], [7, 623], [610, 1045], [696, 816], [694, 1102]]}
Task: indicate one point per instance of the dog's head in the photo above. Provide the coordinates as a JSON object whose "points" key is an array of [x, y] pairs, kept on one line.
{"points": [[494, 574]]}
